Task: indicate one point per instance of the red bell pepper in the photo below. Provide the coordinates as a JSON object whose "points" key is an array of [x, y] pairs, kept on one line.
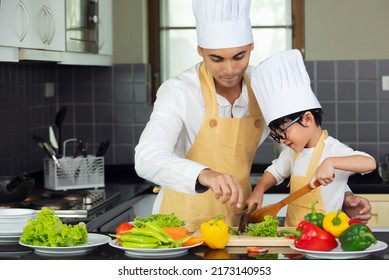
{"points": [[356, 221], [309, 236]]}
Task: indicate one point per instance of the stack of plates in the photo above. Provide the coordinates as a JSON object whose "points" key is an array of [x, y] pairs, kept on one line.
{"points": [[12, 222]]}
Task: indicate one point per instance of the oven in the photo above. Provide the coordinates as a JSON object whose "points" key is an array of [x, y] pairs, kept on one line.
{"points": [[82, 22], [71, 206]]}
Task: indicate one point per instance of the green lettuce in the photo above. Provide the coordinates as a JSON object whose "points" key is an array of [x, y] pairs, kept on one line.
{"points": [[163, 220], [48, 230], [268, 227]]}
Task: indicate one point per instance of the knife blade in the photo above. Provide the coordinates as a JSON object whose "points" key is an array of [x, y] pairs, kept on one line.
{"points": [[51, 154], [47, 148], [244, 219], [53, 138], [103, 147]]}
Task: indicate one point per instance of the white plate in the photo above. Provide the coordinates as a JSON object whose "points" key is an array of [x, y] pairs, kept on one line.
{"points": [[10, 233], [8, 239], [94, 240], [153, 253], [338, 253]]}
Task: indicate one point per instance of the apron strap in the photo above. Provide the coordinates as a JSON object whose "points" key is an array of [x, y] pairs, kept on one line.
{"points": [[313, 164]]}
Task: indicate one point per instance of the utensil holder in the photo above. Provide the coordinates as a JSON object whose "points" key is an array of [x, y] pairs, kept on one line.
{"points": [[74, 173]]}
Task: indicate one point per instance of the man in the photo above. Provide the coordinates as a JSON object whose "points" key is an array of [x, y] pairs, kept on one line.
{"points": [[206, 124]]}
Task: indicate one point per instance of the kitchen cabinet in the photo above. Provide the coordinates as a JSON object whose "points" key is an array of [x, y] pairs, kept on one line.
{"points": [[105, 27], [9, 18], [43, 22], [33, 24], [380, 209], [36, 30]]}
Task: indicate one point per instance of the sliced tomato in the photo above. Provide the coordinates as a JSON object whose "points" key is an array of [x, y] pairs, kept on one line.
{"points": [[293, 256], [256, 250], [124, 228]]}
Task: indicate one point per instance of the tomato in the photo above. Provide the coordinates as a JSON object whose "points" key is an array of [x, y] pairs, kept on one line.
{"points": [[124, 228], [253, 250]]}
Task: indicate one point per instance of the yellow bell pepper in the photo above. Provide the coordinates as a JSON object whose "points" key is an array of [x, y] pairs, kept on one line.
{"points": [[217, 254], [215, 233], [335, 223]]}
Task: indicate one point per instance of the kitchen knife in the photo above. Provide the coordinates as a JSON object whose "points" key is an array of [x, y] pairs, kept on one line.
{"points": [[244, 219], [83, 152], [59, 119], [47, 148], [82, 148], [51, 153], [103, 147], [53, 138]]}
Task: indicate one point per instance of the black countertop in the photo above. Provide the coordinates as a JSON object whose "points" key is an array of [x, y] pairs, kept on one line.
{"points": [[123, 179], [107, 252]]}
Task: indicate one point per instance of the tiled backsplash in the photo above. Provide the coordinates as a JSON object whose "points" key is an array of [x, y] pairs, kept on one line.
{"points": [[113, 103], [103, 103]]}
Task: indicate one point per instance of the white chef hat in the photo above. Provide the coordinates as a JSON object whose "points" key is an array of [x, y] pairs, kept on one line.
{"points": [[282, 86], [222, 23]]}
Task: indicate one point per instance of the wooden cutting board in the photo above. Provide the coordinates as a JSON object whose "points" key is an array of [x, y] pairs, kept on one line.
{"points": [[245, 240]]}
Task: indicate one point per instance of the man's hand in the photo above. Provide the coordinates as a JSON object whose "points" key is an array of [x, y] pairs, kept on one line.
{"points": [[357, 207], [225, 187]]}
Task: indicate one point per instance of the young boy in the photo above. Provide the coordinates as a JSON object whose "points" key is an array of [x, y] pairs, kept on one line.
{"points": [[293, 113]]}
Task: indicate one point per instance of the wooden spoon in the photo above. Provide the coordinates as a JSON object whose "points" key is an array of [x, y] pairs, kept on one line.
{"points": [[272, 210]]}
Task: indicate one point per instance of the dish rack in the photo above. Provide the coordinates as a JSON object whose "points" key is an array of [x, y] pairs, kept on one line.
{"points": [[70, 173]]}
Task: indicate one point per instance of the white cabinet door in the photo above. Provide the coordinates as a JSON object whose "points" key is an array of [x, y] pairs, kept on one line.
{"points": [[105, 27], [10, 28], [57, 10], [46, 24]]}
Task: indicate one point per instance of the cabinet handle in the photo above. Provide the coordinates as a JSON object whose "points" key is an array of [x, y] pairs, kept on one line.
{"points": [[100, 31], [45, 37], [52, 32], [27, 25]]}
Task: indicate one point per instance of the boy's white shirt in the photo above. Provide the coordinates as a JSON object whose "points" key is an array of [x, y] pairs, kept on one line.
{"points": [[332, 194]]}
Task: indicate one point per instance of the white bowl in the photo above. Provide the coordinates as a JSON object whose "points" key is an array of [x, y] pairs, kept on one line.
{"points": [[13, 220]]}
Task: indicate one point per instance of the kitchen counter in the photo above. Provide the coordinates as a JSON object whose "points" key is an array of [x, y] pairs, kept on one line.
{"points": [[123, 179], [107, 252]]}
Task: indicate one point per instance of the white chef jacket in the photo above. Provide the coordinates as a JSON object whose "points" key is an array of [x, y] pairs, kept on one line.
{"points": [[332, 194], [173, 126]]}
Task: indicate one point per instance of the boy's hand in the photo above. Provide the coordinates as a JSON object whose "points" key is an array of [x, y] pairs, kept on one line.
{"points": [[324, 174]]}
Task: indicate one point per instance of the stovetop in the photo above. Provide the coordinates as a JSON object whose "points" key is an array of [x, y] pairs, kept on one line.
{"points": [[71, 206]]}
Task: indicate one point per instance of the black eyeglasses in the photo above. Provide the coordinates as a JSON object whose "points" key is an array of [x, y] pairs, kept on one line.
{"points": [[278, 137]]}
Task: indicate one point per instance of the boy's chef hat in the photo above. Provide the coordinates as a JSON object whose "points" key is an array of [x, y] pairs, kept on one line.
{"points": [[222, 23], [281, 85]]}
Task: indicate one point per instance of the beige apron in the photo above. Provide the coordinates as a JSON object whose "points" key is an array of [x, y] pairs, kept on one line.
{"points": [[226, 145], [302, 206]]}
